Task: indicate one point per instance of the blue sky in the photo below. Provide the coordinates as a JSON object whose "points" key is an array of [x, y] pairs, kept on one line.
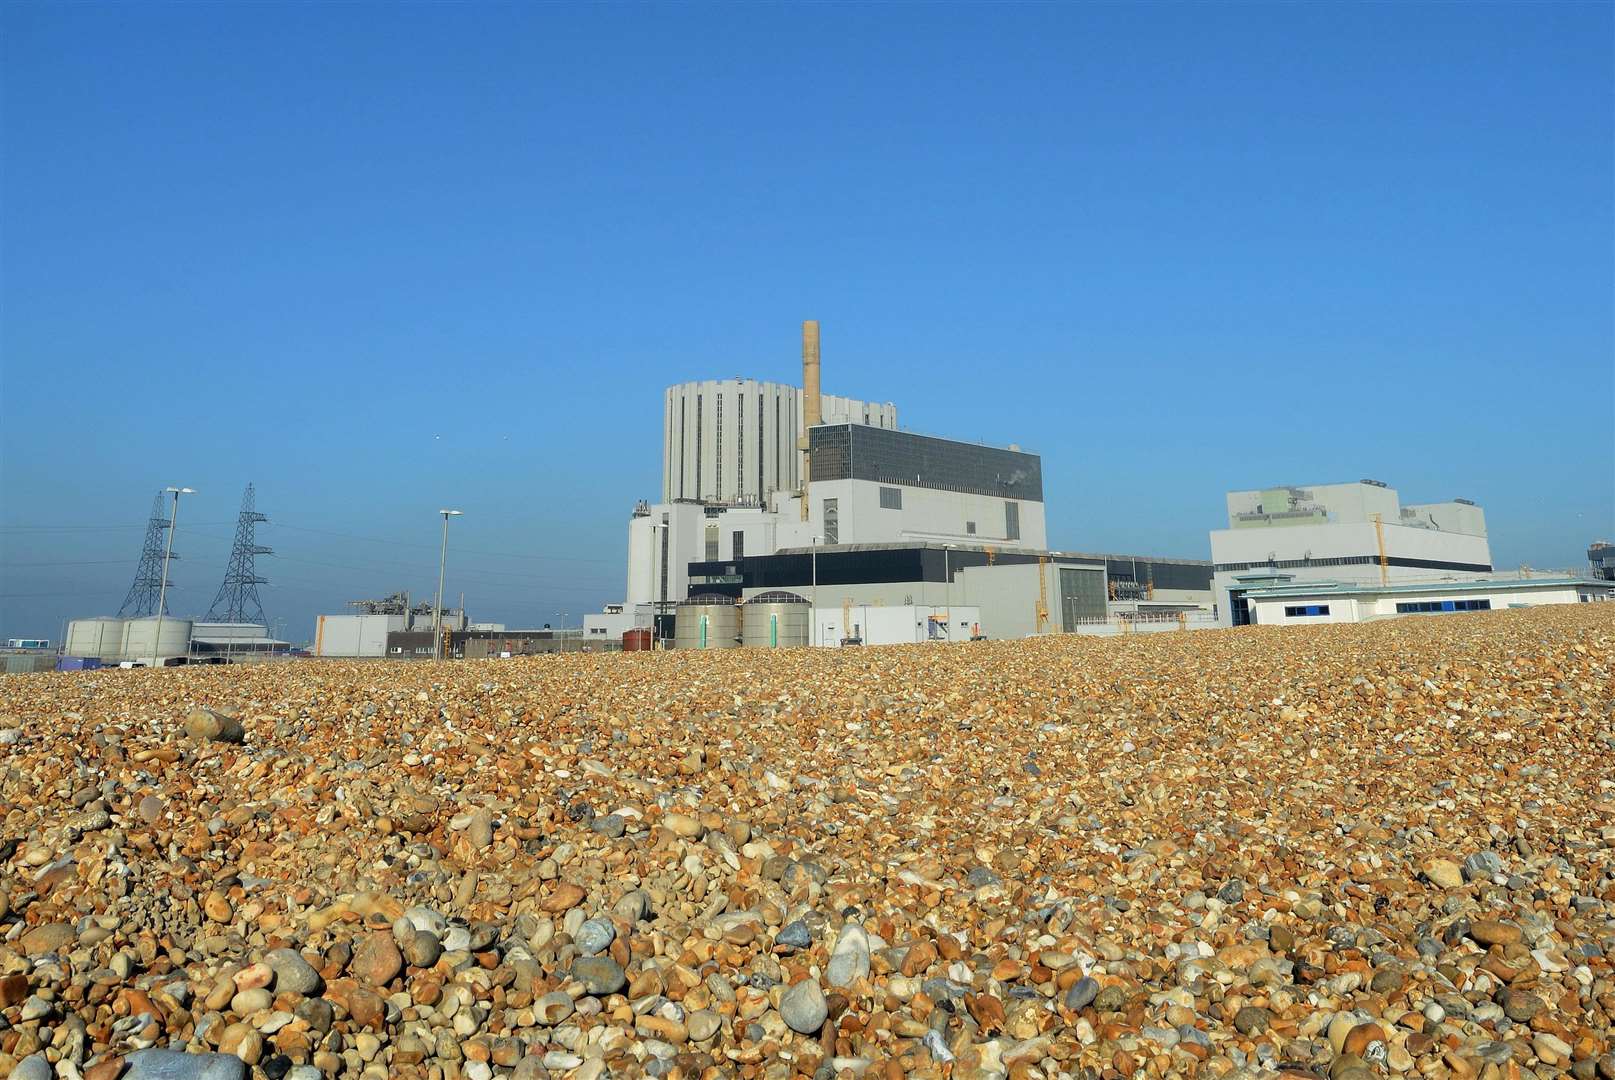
{"points": [[384, 258]]}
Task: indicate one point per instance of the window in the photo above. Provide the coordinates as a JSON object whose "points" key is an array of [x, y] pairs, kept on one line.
{"points": [[1354, 560], [970, 528], [832, 522], [712, 543], [891, 498], [1425, 607], [717, 485], [1012, 521], [698, 425], [737, 541], [1303, 610], [862, 452]]}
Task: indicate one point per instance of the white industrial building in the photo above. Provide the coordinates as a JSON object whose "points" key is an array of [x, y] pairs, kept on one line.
{"points": [[1303, 603], [365, 634], [857, 514], [737, 441], [1354, 533]]}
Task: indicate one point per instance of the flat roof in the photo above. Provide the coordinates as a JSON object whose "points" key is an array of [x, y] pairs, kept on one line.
{"points": [[999, 550], [1344, 588]]}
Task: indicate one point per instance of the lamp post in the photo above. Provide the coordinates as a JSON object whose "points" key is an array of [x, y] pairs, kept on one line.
{"points": [[442, 565], [560, 629], [655, 623], [168, 553], [817, 636], [947, 578]]}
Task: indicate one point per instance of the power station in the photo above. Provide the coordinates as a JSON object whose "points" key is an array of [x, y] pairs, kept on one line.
{"points": [[858, 531]]}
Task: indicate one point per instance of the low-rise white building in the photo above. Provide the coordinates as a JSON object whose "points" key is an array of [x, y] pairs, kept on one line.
{"points": [[614, 621], [1302, 603], [868, 624], [1357, 532]]}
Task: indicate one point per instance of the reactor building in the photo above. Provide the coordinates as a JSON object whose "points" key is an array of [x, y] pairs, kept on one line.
{"points": [[777, 495]]}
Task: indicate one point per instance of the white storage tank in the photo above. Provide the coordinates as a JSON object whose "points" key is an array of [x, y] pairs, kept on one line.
{"points": [[140, 641], [99, 638], [775, 620], [707, 622]]}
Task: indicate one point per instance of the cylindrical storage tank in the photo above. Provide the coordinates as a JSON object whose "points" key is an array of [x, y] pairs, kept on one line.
{"points": [[98, 638], [775, 620], [636, 640], [707, 622], [140, 641]]}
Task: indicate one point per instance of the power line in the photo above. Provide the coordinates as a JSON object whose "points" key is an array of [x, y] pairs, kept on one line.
{"points": [[433, 547], [91, 562], [89, 528]]}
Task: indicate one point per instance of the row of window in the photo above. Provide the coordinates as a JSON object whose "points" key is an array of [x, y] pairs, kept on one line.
{"points": [[1356, 560], [1420, 607], [1299, 610]]}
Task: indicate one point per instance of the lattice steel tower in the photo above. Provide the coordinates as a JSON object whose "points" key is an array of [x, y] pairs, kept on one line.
{"points": [[237, 601], [143, 594]]}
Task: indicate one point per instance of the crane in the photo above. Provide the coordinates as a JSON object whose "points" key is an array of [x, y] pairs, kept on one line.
{"points": [[1042, 610], [1384, 563]]}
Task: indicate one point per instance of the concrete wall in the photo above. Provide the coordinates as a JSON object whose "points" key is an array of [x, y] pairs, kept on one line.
{"points": [[896, 625], [1344, 503], [1447, 516], [927, 516], [720, 416], [354, 635], [1007, 597]]}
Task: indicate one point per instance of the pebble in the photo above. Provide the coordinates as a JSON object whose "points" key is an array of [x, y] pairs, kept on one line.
{"points": [[600, 975], [803, 1007], [173, 1065], [794, 935], [1445, 873], [1081, 994], [422, 948], [849, 960], [480, 831], [377, 960], [1251, 1020], [1482, 866], [1354, 850], [595, 936], [611, 826], [1494, 932], [293, 974], [209, 724]]}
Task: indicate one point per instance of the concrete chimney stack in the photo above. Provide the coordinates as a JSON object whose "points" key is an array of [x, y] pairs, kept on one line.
{"points": [[812, 407]]}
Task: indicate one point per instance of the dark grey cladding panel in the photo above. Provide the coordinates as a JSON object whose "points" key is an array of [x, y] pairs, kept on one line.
{"points": [[859, 452], [1163, 575]]}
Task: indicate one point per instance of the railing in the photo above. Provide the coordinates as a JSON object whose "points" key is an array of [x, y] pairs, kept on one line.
{"points": [[1142, 623]]}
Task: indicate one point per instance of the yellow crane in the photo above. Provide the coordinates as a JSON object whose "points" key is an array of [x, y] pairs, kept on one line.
{"points": [[1042, 593], [1384, 563]]}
